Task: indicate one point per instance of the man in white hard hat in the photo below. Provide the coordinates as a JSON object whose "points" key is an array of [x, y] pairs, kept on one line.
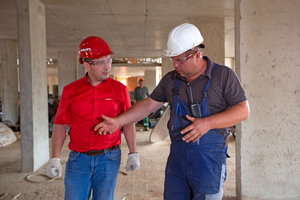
{"points": [[205, 100]]}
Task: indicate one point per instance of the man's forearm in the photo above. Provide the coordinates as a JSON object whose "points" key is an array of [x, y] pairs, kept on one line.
{"points": [[130, 136], [58, 138], [138, 111], [234, 115]]}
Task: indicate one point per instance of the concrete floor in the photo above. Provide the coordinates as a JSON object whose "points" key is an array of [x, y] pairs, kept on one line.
{"points": [[143, 184]]}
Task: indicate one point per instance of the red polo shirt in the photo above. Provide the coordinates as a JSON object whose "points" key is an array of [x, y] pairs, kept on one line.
{"points": [[81, 106]]}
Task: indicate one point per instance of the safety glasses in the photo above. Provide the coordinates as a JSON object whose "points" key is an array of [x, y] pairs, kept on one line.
{"points": [[185, 58], [100, 63]]}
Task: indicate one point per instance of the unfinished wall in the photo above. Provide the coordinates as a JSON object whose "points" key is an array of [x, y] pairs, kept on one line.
{"points": [[213, 32], [267, 61]]}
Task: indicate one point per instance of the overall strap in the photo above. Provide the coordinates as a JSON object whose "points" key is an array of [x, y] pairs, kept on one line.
{"points": [[205, 91], [175, 90]]}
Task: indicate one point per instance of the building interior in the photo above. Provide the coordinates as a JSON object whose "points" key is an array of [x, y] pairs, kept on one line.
{"points": [[260, 40]]}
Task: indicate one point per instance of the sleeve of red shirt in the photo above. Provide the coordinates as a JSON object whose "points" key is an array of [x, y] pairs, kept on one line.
{"points": [[63, 112]]}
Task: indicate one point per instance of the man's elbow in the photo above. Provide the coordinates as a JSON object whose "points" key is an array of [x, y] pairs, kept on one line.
{"points": [[246, 112]]}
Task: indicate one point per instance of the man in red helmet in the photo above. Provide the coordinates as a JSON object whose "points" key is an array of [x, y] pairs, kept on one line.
{"points": [[94, 160]]}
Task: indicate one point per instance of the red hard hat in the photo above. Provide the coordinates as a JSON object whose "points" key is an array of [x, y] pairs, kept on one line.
{"points": [[93, 47]]}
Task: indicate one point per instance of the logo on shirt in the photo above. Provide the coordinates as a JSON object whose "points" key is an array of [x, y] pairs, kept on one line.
{"points": [[108, 99]]}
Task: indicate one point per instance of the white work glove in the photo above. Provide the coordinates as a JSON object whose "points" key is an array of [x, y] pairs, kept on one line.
{"points": [[54, 168], [133, 162]]}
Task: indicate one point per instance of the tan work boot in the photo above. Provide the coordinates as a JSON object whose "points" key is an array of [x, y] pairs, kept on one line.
{"points": [[146, 129]]}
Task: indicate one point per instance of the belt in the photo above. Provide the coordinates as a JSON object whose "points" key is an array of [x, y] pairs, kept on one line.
{"points": [[96, 152]]}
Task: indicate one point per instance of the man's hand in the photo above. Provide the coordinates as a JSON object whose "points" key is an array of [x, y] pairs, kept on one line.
{"points": [[54, 168], [109, 125], [133, 162], [197, 129]]}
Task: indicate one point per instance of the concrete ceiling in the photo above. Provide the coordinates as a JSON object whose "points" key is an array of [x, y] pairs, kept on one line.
{"points": [[132, 28]]}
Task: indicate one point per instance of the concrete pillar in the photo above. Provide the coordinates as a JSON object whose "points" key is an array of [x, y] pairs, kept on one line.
{"points": [[52, 77], [9, 80], [158, 74], [0, 79], [213, 32], [67, 69], [50, 84], [267, 62], [33, 83], [166, 65], [150, 80], [229, 62]]}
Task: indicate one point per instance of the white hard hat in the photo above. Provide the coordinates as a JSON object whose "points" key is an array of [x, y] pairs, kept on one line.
{"points": [[182, 38]]}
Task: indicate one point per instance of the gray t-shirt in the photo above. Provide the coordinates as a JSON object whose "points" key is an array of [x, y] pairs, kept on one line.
{"points": [[141, 91], [225, 89]]}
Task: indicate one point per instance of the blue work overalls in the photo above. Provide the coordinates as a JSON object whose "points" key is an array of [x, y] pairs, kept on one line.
{"points": [[193, 168]]}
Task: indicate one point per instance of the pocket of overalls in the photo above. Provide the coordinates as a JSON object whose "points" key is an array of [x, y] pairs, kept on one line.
{"points": [[184, 110], [174, 121], [207, 169], [220, 154]]}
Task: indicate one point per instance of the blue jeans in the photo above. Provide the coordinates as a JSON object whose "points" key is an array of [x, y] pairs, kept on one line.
{"points": [[98, 173]]}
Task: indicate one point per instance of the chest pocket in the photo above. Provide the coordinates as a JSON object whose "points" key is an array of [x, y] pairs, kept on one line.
{"points": [[178, 118], [109, 107]]}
